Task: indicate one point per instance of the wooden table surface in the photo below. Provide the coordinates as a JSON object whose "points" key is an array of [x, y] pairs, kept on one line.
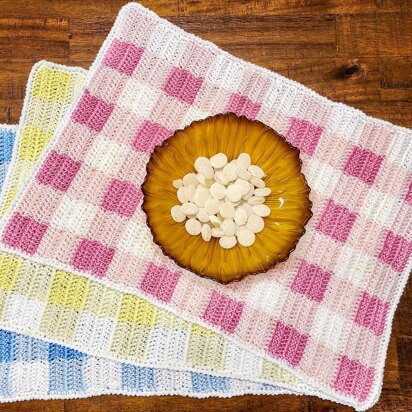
{"points": [[356, 52]]}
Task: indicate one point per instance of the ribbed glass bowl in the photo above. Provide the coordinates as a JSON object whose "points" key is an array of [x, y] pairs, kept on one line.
{"points": [[289, 200]]}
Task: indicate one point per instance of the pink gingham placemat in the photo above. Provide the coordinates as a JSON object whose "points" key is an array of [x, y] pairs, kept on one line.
{"points": [[326, 313]]}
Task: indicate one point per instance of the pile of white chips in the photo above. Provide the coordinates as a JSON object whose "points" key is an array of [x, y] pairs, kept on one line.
{"points": [[223, 199]]}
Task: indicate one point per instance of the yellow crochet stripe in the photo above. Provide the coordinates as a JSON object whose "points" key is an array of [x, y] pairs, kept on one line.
{"points": [[61, 303], [52, 91]]}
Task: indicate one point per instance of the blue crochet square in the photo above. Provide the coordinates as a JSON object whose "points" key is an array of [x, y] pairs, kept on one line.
{"points": [[66, 375], [6, 346], [137, 378], [6, 144], [61, 352], [207, 383], [29, 349], [5, 387]]}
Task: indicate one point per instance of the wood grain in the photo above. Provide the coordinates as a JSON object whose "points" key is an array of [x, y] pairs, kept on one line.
{"points": [[357, 52]]}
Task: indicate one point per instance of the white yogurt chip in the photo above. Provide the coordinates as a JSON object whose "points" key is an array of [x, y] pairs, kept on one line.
{"points": [[206, 170], [227, 242], [218, 160], [206, 233], [203, 215], [255, 223], [243, 173], [230, 171], [201, 196], [256, 171], [182, 194], [256, 181], [262, 191], [246, 237], [177, 214], [244, 160], [261, 210], [189, 208], [227, 210], [240, 216], [193, 227], [212, 206], [229, 227], [190, 179], [256, 200], [234, 193], [199, 162], [221, 178], [217, 191], [177, 183], [243, 185]]}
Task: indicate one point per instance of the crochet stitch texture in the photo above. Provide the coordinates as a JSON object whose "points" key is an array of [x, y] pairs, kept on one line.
{"points": [[31, 292], [326, 313], [7, 136]]}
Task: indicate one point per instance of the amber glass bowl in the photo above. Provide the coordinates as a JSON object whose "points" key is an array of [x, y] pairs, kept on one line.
{"points": [[289, 200]]}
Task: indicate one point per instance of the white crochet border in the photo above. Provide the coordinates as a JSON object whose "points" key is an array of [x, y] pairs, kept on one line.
{"points": [[94, 392], [9, 126], [331, 394]]}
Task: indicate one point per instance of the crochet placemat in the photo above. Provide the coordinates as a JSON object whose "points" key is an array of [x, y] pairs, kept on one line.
{"points": [[84, 315], [151, 78], [7, 136]]}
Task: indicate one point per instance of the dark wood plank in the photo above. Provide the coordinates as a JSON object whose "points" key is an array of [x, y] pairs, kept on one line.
{"points": [[24, 38], [357, 52], [377, 34], [69, 8]]}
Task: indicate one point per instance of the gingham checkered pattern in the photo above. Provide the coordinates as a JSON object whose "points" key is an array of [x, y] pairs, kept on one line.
{"points": [[83, 314], [31, 368], [325, 313]]}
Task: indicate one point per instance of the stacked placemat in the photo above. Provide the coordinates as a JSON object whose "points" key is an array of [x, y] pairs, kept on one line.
{"points": [[90, 305]]}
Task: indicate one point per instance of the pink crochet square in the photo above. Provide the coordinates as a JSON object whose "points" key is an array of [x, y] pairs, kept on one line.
{"points": [[223, 311], [311, 281], [123, 269], [363, 164], [78, 139], [395, 251], [107, 228], [64, 241], [92, 111], [24, 233], [408, 196], [183, 85], [58, 171], [159, 282], [287, 343], [304, 135], [371, 313], [150, 135], [121, 197], [353, 378], [35, 196], [123, 56], [242, 105], [336, 221], [92, 256], [91, 185]]}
